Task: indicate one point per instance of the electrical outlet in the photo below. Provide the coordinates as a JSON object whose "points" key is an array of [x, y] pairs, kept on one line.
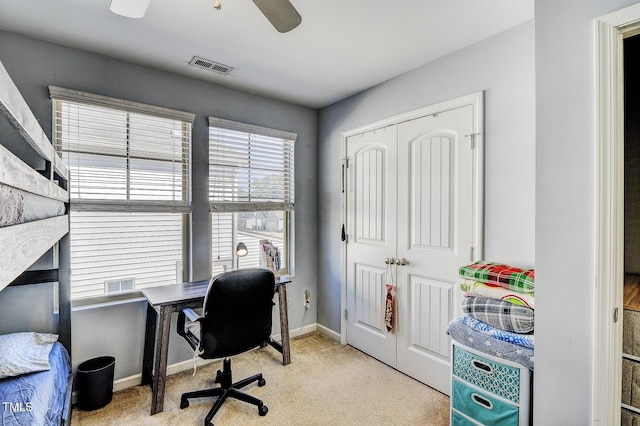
{"points": [[307, 298]]}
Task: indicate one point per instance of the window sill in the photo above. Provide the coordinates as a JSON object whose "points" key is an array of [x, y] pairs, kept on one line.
{"points": [[119, 299], [104, 301]]}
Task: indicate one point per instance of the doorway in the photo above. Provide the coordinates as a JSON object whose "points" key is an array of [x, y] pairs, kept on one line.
{"points": [[412, 218], [631, 293], [611, 30]]}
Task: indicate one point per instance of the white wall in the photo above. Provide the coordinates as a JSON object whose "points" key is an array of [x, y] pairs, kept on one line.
{"points": [[565, 208], [503, 67]]}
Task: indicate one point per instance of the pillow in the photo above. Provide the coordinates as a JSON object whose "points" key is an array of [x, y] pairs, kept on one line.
{"points": [[27, 352]]}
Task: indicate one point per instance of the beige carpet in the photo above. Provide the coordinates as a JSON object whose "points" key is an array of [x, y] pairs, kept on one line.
{"points": [[326, 384]]}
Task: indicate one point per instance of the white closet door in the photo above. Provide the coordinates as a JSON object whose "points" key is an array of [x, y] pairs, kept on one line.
{"points": [[435, 236], [412, 194], [371, 226]]}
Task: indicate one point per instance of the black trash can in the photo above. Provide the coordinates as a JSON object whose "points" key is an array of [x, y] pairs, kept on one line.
{"points": [[94, 382]]}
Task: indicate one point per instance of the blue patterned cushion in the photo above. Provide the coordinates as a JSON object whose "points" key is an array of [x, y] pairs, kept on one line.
{"points": [[27, 352]]}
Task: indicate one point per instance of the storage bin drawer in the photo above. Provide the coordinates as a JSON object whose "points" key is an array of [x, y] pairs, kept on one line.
{"points": [[458, 419], [481, 406], [499, 379]]}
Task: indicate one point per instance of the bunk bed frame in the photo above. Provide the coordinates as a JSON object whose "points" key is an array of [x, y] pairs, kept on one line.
{"points": [[21, 245]]}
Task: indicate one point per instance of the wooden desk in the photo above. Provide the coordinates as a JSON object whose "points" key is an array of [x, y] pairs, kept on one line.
{"points": [[162, 302]]}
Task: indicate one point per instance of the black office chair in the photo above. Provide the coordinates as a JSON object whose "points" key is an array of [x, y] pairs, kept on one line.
{"points": [[236, 318]]}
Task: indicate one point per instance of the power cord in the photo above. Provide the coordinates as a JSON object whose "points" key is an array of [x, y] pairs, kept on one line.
{"points": [[302, 324]]}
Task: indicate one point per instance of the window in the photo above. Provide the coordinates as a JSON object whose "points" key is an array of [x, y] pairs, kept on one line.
{"points": [[251, 192], [130, 186]]}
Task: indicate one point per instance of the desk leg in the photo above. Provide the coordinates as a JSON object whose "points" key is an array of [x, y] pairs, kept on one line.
{"points": [[160, 364], [149, 344], [284, 324]]}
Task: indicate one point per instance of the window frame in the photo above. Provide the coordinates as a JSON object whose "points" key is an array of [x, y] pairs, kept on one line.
{"points": [[181, 206], [286, 205]]}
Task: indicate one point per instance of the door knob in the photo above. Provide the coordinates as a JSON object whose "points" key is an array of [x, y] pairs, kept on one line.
{"points": [[402, 261], [390, 260]]}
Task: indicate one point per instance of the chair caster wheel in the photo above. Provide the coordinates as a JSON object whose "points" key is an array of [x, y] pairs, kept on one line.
{"points": [[262, 382], [263, 410], [184, 403]]}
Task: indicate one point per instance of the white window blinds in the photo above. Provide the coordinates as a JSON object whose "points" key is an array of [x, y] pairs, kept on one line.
{"points": [[130, 186], [250, 167], [251, 191], [124, 154], [145, 248]]}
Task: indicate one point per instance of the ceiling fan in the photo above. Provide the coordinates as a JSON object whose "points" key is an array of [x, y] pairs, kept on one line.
{"points": [[281, 13]]}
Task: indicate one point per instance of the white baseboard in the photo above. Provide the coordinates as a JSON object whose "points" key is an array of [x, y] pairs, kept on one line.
{"points": [[136, 379], [299, 331], [127, 382], [328, 332]]}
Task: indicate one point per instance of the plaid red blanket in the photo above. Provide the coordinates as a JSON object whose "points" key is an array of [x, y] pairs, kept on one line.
{"points": [[502, 275]]}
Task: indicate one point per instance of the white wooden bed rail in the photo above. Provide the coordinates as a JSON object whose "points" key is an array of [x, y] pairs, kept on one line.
{"points": [[15, 109], [23, 244]]}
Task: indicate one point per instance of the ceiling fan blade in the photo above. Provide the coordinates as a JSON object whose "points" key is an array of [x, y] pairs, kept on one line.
{"points": [[129, 8], [281, 13]]}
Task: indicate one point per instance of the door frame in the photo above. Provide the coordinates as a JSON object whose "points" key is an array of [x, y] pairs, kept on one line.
{"points": [[610, 31], [477, 101]]}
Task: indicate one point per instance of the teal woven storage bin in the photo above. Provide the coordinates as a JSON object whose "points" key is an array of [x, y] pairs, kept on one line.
{"points": [[499, 379], [487, 390], [483, 407]]}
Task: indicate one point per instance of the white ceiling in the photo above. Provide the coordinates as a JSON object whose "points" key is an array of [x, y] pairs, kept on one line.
{"points": [[340, 48]]}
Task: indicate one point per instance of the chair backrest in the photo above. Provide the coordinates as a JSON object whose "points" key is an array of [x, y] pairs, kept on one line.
{"points": [[237, 312]]}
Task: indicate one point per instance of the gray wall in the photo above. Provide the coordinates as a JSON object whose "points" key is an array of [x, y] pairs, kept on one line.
{"points": [[565, 208], [119, 330], [501, 66]]}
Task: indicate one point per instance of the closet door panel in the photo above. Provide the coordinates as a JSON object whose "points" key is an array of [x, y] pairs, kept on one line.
{"points": [[429, 310], [434, 237], [371, 188], [369, 285], [430, 186]]}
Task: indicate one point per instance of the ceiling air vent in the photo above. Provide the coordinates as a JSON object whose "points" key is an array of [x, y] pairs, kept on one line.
{"points": [[210, 65]]}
